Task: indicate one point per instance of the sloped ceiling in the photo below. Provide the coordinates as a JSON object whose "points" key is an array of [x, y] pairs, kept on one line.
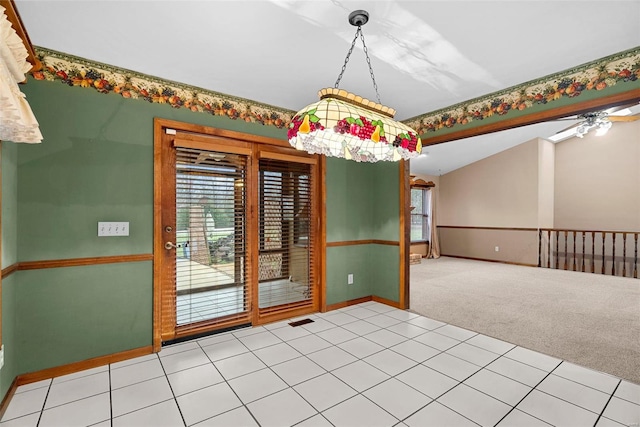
{"points": [[426, 55]]}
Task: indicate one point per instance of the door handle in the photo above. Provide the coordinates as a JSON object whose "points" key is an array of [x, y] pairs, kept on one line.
{"points": [[170, 245]]}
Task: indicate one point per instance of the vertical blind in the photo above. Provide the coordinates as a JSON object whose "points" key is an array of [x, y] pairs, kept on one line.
{"points": [[211, 282], [285, 234]]}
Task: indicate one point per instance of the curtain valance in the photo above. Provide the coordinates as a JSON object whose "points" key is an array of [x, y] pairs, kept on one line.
{"points": [[17, 122]]}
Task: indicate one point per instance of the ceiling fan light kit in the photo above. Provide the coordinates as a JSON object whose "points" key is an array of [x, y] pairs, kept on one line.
{"points": [[601, 121], [598, 120], [348, 126]]}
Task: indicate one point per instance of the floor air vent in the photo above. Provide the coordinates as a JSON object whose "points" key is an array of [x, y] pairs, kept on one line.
{"points": [[301, 322]]}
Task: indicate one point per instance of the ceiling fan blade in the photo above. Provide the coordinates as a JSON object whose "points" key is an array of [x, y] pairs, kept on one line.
{"points": [[567, 128], [565, 119], [623, 118]]}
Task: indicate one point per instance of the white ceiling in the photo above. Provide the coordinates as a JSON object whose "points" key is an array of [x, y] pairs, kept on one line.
{"points": [[426, 55]]}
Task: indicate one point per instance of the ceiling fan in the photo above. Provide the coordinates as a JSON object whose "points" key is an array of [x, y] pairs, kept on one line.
{"points": [[601, 121]]}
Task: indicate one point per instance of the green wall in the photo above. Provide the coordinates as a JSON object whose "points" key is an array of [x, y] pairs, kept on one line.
{"points": [[10, 369], [8, 168], [363, 200], [385, 202], [363, 203], [96, 164], [385, 270], [344, 260], [349, 191], [75, 313], [375, 270]]}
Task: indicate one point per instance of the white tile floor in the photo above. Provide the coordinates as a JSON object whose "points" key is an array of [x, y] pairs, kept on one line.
{"points": [[365, 365]]}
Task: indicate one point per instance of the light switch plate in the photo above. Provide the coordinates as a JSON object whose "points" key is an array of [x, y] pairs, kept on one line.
{"points": [[113, 229]]}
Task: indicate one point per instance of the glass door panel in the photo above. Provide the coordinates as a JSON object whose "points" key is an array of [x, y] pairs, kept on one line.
{"points": [[284, 228], [210, 236]]}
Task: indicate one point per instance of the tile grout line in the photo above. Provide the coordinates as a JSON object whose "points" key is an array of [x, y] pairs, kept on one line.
{"points": [[528, 393], [585, 385], [333, 375], [435, 401], [309, 379], [479, 370], [361, 393], [398, 419], [525, 363], [406, 339], [140, 382], [292, 387], [79, 398], [459, 382], [301, 396], [607, 404], [110, 398], [44, 402], [320, 414], [41, 411], [575, 382], [175, 398], [331, 372], [243, 405], [358, 359], [417, 364], [143, 407], [137, 382], [302, 355]]}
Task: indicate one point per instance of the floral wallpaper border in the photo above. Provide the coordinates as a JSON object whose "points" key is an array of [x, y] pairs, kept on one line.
{"points": [[107, 79], [619, 69]]}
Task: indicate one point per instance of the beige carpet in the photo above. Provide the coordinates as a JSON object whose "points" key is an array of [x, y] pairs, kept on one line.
{"points": [[587, 319]]}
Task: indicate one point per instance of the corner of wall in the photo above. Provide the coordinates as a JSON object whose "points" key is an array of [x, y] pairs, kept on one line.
{"points": [[546, 183], [9, 218]]}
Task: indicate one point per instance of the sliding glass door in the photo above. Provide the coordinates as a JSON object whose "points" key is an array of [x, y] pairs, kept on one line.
{"points": [[235, 228]]}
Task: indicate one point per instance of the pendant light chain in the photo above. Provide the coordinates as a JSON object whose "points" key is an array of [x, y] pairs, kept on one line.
{"points": [[373, 79], [346, 60], [366, 53]]}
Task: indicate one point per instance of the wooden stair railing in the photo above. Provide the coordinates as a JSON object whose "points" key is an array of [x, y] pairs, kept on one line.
{"points": [[554, 247]]}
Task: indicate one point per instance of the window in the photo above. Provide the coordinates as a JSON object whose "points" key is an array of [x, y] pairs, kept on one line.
{"points": [[420, 222]]}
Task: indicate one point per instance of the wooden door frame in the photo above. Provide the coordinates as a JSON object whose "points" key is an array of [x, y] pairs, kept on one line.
{"points": [[405, 235], [226, 137]]}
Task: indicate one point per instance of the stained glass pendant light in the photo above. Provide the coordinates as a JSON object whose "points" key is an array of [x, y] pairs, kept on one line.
{"points": [[345, 125]]}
